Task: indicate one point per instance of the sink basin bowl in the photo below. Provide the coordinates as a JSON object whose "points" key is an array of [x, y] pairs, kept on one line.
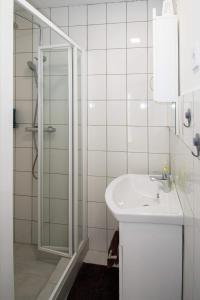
{"points": [[135, 198]]}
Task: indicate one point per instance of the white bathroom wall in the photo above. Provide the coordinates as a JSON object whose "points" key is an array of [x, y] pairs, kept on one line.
{"points": [[127, 131], [186, 170], [185, 167]]}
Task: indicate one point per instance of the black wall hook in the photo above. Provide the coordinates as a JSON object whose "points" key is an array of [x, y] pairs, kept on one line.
{"points": [[188, 116], [196, 143]]}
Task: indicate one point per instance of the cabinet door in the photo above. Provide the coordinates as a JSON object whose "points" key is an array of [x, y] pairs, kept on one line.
{"points": [[165, 58]]}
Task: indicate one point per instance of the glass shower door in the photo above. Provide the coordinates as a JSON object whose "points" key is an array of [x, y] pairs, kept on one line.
{"points": [[55, 150]]}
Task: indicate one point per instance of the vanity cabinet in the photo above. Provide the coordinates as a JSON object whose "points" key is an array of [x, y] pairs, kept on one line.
{"points": [[150, 261]]}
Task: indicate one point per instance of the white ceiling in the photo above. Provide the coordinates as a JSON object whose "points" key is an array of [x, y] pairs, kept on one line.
{"points": [[58, 3]]}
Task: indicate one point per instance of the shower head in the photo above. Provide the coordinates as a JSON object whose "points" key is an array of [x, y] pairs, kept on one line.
{"points": [[31, 66]]}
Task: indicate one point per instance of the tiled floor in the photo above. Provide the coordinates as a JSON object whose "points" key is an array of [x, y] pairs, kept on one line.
{"points": [[95, 282], [32, 271]]}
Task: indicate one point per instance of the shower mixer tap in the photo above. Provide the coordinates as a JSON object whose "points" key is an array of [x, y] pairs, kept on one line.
{"points": [[49, 129]]}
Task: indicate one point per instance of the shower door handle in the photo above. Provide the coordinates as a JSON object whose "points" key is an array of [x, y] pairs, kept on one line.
{"points": [[48, 129]]}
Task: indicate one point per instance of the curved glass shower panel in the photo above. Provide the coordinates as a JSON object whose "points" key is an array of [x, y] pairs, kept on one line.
{"points": [[55, 157]]}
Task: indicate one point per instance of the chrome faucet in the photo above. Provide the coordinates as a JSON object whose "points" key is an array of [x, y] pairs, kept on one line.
{"points": [[165, 179]]}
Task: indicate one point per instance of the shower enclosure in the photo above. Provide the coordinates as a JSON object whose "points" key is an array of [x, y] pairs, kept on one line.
{"points": [[58, 138], [60, 149]]}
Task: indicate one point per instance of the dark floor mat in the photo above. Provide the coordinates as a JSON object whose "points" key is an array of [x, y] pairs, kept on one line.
{"points": [[95, 282]]}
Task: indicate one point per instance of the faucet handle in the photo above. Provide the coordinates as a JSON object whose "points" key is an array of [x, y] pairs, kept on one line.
{"points": [[165, 172]]}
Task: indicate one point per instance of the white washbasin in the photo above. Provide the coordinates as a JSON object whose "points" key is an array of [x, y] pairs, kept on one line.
{"points": [[134, 198]]}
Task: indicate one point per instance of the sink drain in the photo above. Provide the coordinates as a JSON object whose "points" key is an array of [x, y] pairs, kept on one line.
{"points": [[146, 205]]}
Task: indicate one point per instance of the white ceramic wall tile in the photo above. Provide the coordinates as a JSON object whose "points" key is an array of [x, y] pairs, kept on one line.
{"points": [[23, 138], [158, 140], [59, 186], [59, 161], [24, 88], [116, 12], [96, 188], [116, 113], [116, 137], [97, 138], [116, 61], [58, 112], [157, 162], [24, 40], [97, 113], [24, 112], [23, 183], [96, 62], [56, 63], [97, 163], [59, 140], [116, 163], [137, 11], [23, 159], [97, 14], [59, 15], [97, 239], [138, 163], [96, 37], [59, 211], [46, 211], [58, 87], [116, 35], [23, 206], [96, 257], [77, 15], [97, 87], [22, 68], [96, 215], [23, 23], [116, 87], [137, 34], [157, 114], [137, 113], [79, 35], [22, 232], [137, 139], [58, 235], [56, 39], [137, 87], [137, 60]]}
